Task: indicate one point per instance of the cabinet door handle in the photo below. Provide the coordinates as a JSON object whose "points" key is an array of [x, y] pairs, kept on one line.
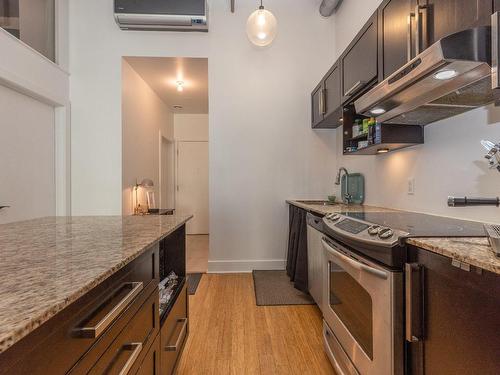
{"points": [[354, 88], [409, 33], [413, 313], [323, 102], [104, 323], [421, 19], [136, 348], [495, 40], [2, 207], [181, 333]]}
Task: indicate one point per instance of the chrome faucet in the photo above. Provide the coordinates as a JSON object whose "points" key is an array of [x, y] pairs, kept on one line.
{"points": [[347, 197], [493, 155]]}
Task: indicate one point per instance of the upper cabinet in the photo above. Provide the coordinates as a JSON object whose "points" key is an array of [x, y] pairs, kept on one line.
{"points": [[359, 63], [326, 101], [396, 35], [440, 18]]}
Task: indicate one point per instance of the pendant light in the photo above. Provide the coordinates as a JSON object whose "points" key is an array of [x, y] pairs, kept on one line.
{"points": [[262, 27]]}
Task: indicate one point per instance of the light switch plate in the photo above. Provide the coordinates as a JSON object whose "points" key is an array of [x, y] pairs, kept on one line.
{"points": [[411, 186]]}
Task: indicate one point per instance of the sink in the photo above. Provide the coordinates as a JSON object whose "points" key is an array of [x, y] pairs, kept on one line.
{"points": [[317, 202]]}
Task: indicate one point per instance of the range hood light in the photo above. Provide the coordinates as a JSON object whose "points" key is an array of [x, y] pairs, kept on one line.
{"points": [[383, 151], [377, 111], [445, 74]]}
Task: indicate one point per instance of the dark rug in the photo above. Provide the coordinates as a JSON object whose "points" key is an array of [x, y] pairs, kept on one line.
{"points": [[193, 282], [274, 288]]}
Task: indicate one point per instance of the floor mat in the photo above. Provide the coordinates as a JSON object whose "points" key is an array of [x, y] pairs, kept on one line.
{"points": [[193, 282], [273, 288]]}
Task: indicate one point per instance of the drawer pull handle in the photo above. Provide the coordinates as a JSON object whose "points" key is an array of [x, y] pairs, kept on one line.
{"points": [[104, 323], [137, 346], [182, 323]]}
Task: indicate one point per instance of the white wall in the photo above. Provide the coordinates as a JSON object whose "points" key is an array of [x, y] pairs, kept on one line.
{"points": [[449, 163], [191, 127], [145, 117], [26, 157], [262, 148], [33, 86]]}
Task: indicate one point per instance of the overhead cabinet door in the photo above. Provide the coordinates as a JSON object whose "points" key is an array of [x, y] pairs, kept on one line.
{"points": [[440, 18], [332, 88], [317, 105], [396, 36], [359, 61]]}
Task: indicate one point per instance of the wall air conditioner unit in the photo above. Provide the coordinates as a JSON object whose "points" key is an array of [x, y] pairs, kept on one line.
{"points": [[162, 15]]}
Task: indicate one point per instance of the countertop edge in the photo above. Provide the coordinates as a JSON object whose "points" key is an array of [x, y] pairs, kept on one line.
{"points": [[478, 248], [18, 334]]}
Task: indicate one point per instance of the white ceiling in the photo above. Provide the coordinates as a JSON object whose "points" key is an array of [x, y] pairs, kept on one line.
{"points": [[163, 73]]}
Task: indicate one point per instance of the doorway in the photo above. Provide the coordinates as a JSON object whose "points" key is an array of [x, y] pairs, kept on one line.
{"points": [[165, 140]]}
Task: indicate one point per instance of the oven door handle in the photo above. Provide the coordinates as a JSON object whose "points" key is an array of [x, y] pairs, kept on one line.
{"points": [[354, 263]]}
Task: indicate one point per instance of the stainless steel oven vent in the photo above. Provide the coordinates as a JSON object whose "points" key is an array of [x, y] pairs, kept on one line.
{"points": [[450, 77]]}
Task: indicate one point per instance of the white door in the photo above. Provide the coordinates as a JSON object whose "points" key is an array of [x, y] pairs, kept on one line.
{"points": [[192, 184], [27, 157]]}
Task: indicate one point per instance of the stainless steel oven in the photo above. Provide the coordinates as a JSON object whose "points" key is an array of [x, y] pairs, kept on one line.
{"points": [[362, 308]]}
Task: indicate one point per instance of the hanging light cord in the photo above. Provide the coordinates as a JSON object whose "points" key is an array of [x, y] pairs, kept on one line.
{"points": [[261, 6]]}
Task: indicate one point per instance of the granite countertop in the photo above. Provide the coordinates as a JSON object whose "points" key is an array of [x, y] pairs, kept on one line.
{"points": [[475, 251], [334, 208], [48, 263]]}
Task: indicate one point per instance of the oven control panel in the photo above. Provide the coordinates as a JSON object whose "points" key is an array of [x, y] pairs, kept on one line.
{"points": [[362, 231]]}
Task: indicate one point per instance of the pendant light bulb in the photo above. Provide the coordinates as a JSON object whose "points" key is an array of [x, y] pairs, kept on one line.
{"points": [[261, 27]]}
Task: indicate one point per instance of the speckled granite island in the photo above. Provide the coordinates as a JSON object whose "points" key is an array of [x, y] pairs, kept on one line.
{"points": [[56, 272]]}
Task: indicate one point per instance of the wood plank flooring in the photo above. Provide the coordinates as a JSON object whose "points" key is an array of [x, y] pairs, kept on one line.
{"points": [[229, 334]]}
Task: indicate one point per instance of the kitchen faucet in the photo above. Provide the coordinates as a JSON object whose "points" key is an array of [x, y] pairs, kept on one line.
{"points": [[347, 197], [493, 157]]}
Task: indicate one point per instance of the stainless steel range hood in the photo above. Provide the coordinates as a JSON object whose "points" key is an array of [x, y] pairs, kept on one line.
{"points": [[450, 77]]}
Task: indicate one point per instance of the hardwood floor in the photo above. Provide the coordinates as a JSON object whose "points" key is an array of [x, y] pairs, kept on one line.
{"points": [[197, 253], [229, 334]]}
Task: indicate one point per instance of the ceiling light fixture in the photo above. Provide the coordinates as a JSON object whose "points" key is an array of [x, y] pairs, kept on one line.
{"points": [[177, 106], [261, 27], [383, 151], [180, 86], [377, 111], [445, 74]]}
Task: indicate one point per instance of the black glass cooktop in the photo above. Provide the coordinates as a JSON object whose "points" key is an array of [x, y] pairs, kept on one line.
{"points": [[422, 225]]}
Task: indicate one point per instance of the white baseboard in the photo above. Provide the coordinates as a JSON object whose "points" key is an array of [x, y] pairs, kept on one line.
{"points": [[244, 266]]}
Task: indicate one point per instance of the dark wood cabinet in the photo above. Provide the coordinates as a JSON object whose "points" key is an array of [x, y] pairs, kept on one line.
{"points": [[173, 333], [396, 35], [116, 325], [332, 93], [151, 363], [454, 312], [444, 17], [359, 63], [326, 101], [317, 111]]}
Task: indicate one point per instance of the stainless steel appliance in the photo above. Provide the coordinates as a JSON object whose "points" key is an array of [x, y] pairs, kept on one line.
{"points": [[363, 314], [315, 258], [365, 254], [450, 77]]}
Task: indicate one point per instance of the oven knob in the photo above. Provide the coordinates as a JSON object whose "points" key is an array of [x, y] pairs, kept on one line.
{"points": [[373, 230], [385, 233]]}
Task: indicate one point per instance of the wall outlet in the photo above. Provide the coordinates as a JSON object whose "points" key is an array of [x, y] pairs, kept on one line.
{"points": [[411, 186]]}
